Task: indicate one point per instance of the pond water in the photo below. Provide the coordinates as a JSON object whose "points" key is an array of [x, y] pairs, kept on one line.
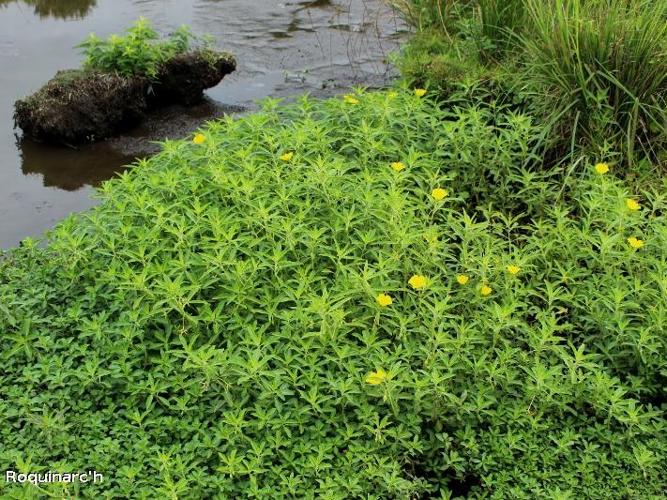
{"points": [[283, 48]]}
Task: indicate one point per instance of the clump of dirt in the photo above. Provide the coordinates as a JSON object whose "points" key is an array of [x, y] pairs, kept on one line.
{"points": [[78, 106], [183, 79]]}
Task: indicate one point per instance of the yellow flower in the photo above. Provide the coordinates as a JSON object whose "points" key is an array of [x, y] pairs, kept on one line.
{"points": [[635, 243], [431, 236], [632, 205], [377, 377], [462, 279], [420, 92], [439, 194], [199, 139], [287, 156], [392, 94], [513, 270], [602, 168], [384, 300], [350, 99], [485, 290], [417, 281], [398, 166]]}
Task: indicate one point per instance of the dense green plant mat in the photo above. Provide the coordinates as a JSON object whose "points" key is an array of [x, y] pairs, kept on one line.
{"points": [[365, 297]]}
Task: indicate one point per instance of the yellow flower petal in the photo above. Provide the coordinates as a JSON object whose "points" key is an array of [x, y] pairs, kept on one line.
{"points": [[632, 205], [486, 290], [199, 139], [384, 300], [513, 270], [377, 377], [462, 279], [349, 99], [392, 94], [287, 156], [439, 194], [417, 281], [602, 168], [420, 92], [635, 243], [398, 166]]}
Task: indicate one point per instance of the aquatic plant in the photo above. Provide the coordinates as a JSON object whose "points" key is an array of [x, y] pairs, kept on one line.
{"points": [[274, 308], [140, 52]]}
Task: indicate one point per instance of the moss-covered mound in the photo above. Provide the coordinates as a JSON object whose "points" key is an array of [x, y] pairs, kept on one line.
{"points": [[84, 105], [321, 301], [77, 106]]}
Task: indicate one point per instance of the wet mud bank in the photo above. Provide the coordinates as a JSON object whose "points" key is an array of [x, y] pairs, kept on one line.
{"points": [[80, 106]]}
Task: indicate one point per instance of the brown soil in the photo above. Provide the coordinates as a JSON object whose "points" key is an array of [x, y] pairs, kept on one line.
{"points": [[77, 106], [184, 78], [80, 106]]}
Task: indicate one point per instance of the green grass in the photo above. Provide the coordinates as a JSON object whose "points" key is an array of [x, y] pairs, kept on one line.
{"points": [[603, 68], [428, 14], [210, 328], [501, 22]]}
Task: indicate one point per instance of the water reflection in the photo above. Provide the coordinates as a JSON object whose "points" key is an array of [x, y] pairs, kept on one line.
{"points": [[71, 169], [91, 164], [62, 9]]}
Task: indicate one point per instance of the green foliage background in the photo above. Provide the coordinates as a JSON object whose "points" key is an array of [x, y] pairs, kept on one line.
{"points": [[206, 331], [594, 72]]}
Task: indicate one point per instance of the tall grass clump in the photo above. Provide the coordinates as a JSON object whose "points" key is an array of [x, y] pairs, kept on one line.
{"points": [[432, 14], [602, 66], [361, 297], [501, 23]]}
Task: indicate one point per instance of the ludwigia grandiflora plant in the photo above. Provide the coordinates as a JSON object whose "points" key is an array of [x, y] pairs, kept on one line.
{"points": [[353, 298]]}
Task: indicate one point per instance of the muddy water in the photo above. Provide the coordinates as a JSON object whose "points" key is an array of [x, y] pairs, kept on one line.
{"points": [[283, 48]]}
